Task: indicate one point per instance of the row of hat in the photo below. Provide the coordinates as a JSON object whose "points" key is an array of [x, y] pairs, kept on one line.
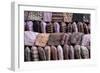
{"points": [[66, 52], [56, 27], [56, 16], [43, 39]]}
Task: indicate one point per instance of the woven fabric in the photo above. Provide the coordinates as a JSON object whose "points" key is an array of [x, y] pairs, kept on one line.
{"points": [[69, 28], [56, 27], [76, 38], [84, 52], [66, 51], [67, 17], [54, 53], [29, 25], [27, 55], [77, 52], [86, 29], [66, 39], [47, 16], [86, 41], [80, 27], [60, 52], [74, 27], [63, 27], [42, 39], [34, 54], [43, 27], [42, 55], [49, 28], [47, 52], [55, 38], [71, 52], [29, 37]]}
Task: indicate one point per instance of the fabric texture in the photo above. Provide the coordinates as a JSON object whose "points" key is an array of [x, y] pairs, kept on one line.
{"points": [[56, 27], [37, 26], [57, 17], [34, 54], [49, 28], [80, 27], [67, 17], [66, 39], [74, 27], [71, 52], [86, 29], [27, 55], [86, 41], [69, 28], [77, 17], [76, 38], [26, 13], [42, 55], [33, 15], [84, 52], [86, 18], [55, 38], [60, 52], [47, 16], [66, 51], [29, 25], [42, 39], [30, 37], [43, 27], [54, 53], [77, 52], [63, 27], [48, 52]]}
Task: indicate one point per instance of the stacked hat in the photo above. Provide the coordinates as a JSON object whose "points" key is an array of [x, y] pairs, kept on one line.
{"points": [[63, 27], [49, 28]]}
